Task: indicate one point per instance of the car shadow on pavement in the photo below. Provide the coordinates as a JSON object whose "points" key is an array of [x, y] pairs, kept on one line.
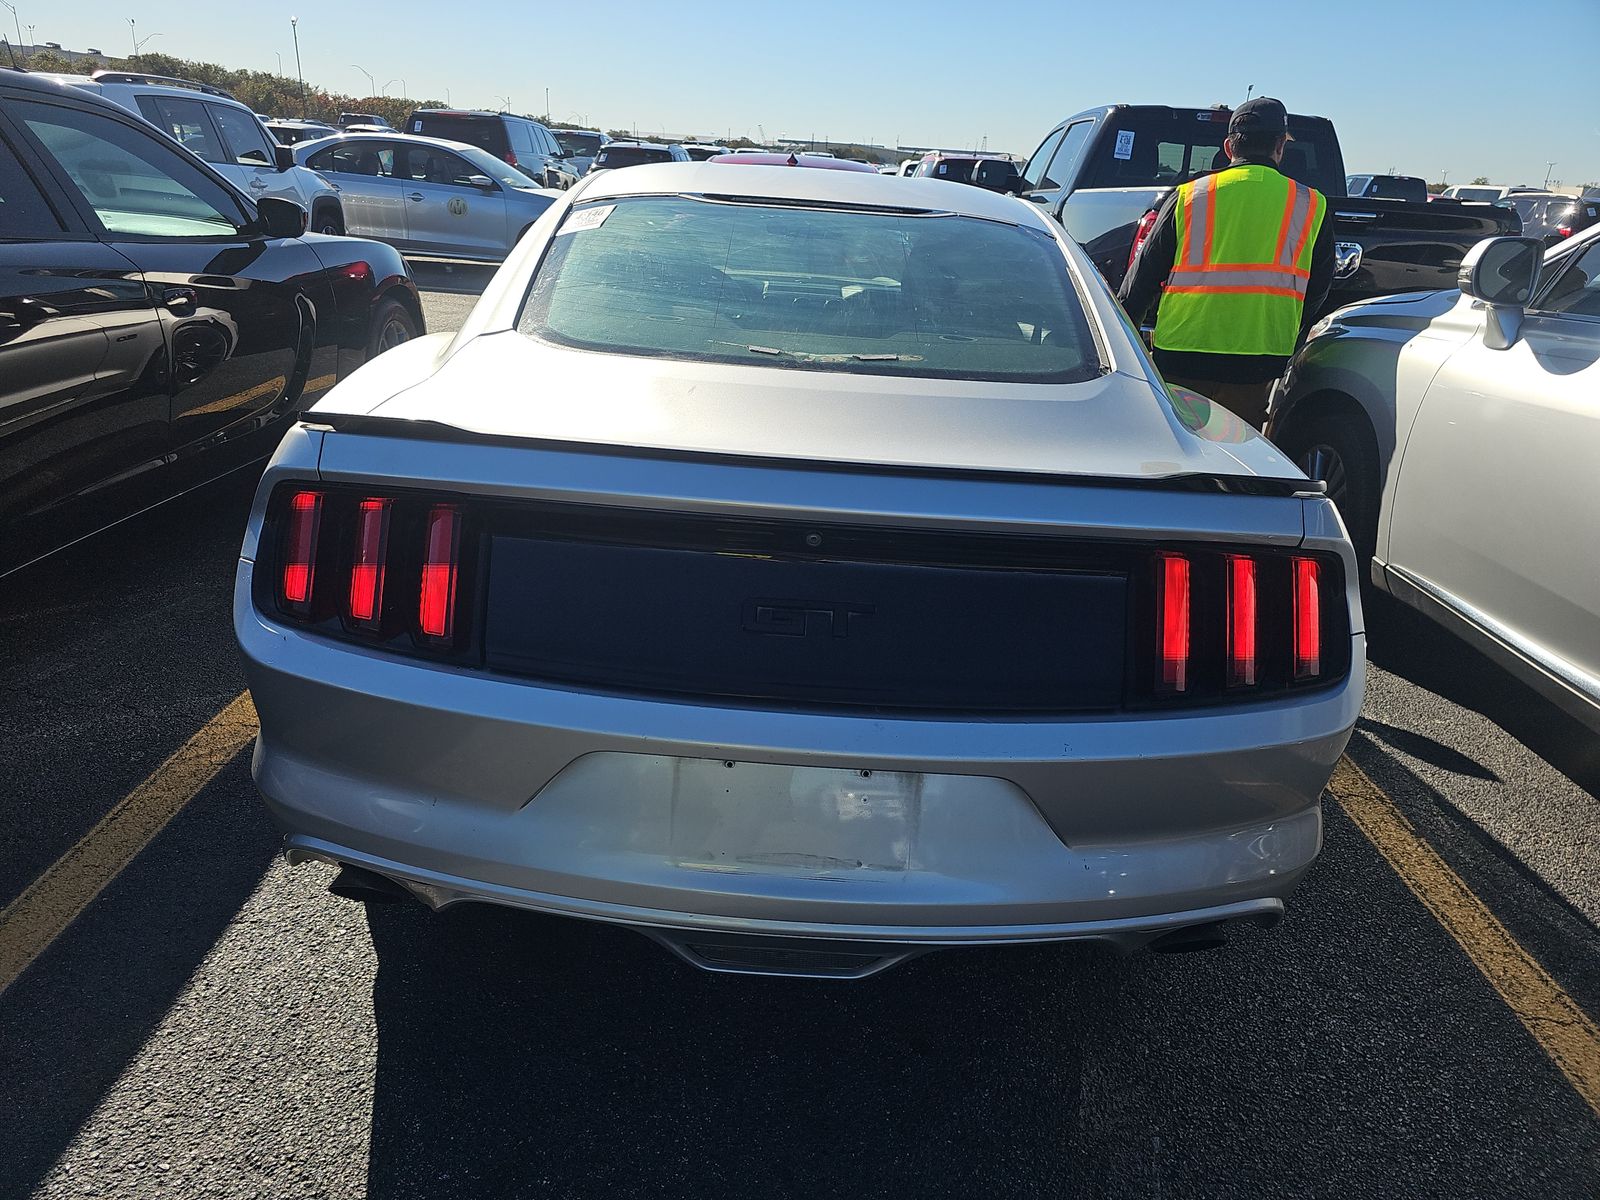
{"points": [[81, 1013], [1405, 643], [530, 1055]]}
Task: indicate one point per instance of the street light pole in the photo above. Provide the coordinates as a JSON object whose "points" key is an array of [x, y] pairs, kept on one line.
{"points": [[1549, 171], [15, 18], [547, 104], [294, 27], [372, 84]]}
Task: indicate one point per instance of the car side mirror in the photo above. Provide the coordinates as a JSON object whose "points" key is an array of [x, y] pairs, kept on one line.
{"points": [[283, 157], [278, 218], [1501, 273], [483, 183]]}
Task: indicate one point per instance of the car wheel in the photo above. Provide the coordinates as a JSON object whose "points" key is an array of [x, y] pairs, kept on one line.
{"points": [[392, 325], [1338, 447]]}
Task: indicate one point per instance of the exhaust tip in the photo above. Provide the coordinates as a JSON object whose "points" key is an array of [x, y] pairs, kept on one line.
{"points": [[1212, 936], [358, 883]]}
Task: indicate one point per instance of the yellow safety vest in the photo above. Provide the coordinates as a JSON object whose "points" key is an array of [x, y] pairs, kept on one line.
{"points": [[1238, 282]]}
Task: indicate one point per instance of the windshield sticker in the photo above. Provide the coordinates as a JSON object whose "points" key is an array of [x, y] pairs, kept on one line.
{"points": [[1124, 148], [416, 127], [589, 218]]}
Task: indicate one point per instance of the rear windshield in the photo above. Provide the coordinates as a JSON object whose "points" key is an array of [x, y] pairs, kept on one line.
{"points": [[629, 156], [701, 153], [1160, 147], [955, 170], [1484, 195], [865, 293], [1397, 187], [583, 145], [489, 133]]}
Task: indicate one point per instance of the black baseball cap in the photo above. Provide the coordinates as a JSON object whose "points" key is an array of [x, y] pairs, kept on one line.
{"points": [[1261, 115]]}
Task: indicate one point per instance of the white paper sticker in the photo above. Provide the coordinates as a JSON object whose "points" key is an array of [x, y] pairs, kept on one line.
{"points": [[416, 127], [1124, 144], [588, 218]]}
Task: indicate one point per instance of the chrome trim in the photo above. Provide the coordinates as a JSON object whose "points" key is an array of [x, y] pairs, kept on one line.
{"points": [[1554, 678]]}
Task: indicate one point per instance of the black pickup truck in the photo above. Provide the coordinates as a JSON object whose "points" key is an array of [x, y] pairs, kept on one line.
{"points": [[1100, 172]]}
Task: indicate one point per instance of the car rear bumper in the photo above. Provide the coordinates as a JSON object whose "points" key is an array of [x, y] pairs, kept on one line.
{"points": [[687, 818]]}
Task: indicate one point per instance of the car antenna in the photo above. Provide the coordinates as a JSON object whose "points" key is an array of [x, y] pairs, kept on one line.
{"points": [[12, 50]]}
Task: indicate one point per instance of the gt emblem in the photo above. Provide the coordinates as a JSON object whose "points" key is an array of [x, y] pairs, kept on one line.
{"points": [[801, 618], [457, 205]]}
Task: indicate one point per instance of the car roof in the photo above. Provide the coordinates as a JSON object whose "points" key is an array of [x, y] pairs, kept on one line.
{"points": [[471, 112], [864, 188], [638, 145], [772, 159]]}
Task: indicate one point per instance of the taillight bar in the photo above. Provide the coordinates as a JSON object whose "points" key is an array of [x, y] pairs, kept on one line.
{"points": [[1307, 577], [1172, 623], [436, 607], [300, 552], [1241, 621], [369, 561]]}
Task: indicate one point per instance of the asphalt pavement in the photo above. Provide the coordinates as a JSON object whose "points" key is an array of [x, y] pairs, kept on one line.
{"points": [[216, 1024]]}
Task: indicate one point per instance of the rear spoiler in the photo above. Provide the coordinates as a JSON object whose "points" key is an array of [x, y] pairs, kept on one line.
{"points": [[439, 431]]}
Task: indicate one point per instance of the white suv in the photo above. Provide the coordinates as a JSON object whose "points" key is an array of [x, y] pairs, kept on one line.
{"points": [[212, 124]]}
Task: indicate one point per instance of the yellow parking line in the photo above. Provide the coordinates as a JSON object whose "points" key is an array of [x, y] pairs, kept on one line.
{"points": [[1554, 1019], [53, 901]]}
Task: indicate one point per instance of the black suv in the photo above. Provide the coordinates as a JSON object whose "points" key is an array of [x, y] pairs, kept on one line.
{"points": [[520, 141], [157, 328]]}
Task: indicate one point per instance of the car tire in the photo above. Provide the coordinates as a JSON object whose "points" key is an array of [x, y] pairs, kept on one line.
{"points": [[329, 219], [1338, 447], [393, 324]]}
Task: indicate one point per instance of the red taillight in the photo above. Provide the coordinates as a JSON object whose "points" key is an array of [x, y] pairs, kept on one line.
{"points": [[1172, 622], [1146, 224], [1241, 621], [367, 562], [1307, 618], [300, 551], [436, 610], [511, 158], [1563, 230]]}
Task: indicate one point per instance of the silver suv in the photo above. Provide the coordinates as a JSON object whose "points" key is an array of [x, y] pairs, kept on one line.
{"points": [[213, 125]]}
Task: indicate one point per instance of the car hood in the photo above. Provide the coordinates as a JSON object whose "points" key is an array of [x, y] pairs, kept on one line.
{"points": [[506, 385]]}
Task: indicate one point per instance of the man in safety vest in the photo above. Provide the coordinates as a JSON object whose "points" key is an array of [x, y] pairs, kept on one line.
{"points": [[1241, 260]]}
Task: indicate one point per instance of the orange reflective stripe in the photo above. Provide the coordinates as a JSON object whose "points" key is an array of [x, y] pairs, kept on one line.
{"points": [[1283, 227], [1200, 206], [1225, 290]]}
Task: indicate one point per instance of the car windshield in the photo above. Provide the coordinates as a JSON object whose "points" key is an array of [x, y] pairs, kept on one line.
{"points": [[630, 156], [1478, 194], [495, 168], [581, 144], [867, 293]]}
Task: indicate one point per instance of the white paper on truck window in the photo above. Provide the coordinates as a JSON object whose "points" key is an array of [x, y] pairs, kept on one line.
{"points": [[588, 218], [1124, 144]]}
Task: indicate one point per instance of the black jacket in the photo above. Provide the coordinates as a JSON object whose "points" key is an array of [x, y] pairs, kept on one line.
{"points": [[1141, 290]]}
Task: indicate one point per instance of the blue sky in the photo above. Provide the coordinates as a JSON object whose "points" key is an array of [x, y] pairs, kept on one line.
{"points": [[1423, 86]]}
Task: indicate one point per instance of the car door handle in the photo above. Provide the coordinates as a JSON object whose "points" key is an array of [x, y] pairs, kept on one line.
{"points": [[416, 195], [258, 184], [179, 299]]}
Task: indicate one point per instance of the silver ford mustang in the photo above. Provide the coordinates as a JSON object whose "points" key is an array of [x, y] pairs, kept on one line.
{"points": [[808, 569]]}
